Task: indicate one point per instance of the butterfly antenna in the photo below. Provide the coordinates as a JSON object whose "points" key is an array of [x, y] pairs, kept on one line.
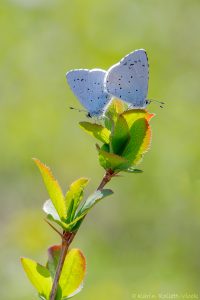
{"points": [[79, 110], [161, 104], [88, 115]]}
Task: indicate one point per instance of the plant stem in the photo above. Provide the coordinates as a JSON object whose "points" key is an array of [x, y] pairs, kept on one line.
{"points": [[107, 177], [68, 237], [66, 241]]}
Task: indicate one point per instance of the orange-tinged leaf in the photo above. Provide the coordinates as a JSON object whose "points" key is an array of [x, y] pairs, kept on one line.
{"points": [[53, 188], [73, 272], [53, 258], [133, 115]]}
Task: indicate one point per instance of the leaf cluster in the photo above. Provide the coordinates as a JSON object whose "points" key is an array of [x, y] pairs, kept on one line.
{"points": [[71, 279], [125, 134], [68, 210]]}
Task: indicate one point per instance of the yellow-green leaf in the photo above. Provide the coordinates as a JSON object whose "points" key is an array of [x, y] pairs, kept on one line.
{"points": [[74, 196], [73, 272], [133, 115], [116, 107], [53, 188], [113, 110], [98, 131], [39, 276]]}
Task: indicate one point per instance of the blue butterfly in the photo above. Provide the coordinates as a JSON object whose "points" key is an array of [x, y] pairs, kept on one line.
{"points": [[88, 86], [128, 79]]}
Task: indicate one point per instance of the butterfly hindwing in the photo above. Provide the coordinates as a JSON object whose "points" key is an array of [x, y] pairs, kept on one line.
{"points": [[88, 87], [128, 79]]}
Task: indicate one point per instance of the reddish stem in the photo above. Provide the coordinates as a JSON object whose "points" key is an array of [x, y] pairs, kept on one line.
{"points": [[66, 241], [107, 177]]}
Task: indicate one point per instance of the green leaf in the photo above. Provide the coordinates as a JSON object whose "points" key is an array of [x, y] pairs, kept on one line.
{"points": [[70, 211], [53, 188], [104, 147], [112, 161], [74, 196], [133, 170], [53, 258], [73, 225], [108, 123], [92, 200], [73, 273], [120, 135], [60, 223], [139, 142], [39, 276], [66, 226], [98, 131], [85, 207]]}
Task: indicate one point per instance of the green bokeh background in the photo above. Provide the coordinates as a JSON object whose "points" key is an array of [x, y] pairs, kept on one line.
{"points": [[145, 238]]}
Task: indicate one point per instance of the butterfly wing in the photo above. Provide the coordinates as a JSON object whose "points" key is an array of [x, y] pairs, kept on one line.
{"points": [[128, 79], [88, 87]]}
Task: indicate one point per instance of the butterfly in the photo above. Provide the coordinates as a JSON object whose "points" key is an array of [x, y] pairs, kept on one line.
{"points": [[88, 87], [128, 79]]}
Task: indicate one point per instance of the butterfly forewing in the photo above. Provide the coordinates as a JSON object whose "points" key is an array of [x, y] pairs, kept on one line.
{"points": [[128, 79]]}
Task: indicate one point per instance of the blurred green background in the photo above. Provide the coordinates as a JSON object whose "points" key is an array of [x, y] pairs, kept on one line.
{"points": [[145, 238]]}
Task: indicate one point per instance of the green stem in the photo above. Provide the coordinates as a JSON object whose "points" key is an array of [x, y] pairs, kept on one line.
{"points": [[68, 237]]}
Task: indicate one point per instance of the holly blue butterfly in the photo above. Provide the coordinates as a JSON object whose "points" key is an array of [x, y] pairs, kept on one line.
{"points": [[88, 87], [128, 79]]}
